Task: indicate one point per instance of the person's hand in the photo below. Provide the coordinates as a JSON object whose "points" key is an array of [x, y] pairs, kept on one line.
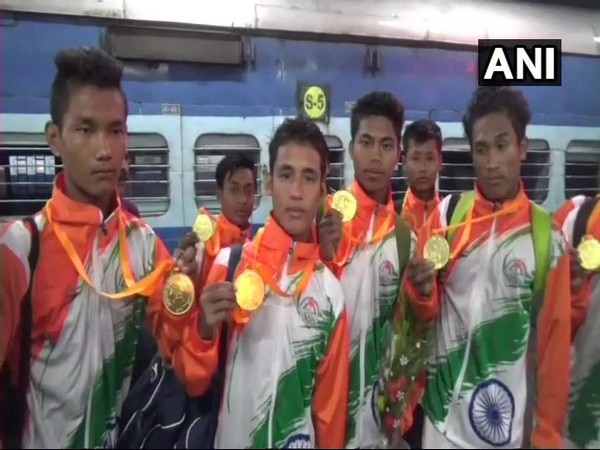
{"points": [[185, 254], [217, 302], [577, 272], [421, 274], [330, 234]]}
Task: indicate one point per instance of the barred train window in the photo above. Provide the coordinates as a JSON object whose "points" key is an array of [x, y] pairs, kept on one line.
{"points": [[582, 162], [458, 175], [28, 168], [209, 149], [148, 185], [398, 182], [335, 177]]}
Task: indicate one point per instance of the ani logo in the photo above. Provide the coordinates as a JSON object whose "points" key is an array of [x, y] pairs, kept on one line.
{"points": [[298, 441], [515, 272], [308, 309], [387, 274], [491, 413]]}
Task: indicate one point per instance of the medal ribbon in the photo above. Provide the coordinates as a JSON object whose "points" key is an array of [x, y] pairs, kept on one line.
{"points": [[146, 286], [348, 232], [241, 316], [464, 239]]}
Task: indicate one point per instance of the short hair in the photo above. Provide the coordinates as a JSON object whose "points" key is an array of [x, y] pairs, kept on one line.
{"points": [[421, 131], [78, 67], [229, 165], [489, 100], [378, 103], [301, 131]]}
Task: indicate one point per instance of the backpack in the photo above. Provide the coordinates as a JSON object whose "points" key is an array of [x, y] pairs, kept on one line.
{"points": [[581, 224], [541, 226], [13, 402], [158, 413]]}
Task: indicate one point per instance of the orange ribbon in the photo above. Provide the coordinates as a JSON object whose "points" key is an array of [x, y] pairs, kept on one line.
{"points": [[347, 231], [241, 316], [146, 286], [468, 224]]}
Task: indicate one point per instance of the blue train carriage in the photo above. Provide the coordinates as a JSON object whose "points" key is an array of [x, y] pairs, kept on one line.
{"points": [[184, 117]]}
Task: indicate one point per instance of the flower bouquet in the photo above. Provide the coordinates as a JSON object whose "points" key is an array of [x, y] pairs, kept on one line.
{"points": [[402, 376]]}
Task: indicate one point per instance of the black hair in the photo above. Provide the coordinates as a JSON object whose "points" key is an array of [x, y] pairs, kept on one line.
{"points": [[301, 131], [378, 103], [229, 165], [421, 131], [489, 100], [78, 67]]}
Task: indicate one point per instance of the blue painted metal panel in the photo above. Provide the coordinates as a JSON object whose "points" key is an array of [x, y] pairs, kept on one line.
{"points": [[430, 82]]}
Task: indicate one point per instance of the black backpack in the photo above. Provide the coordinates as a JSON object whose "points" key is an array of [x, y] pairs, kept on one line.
{"points": [[13, 401], [158, 413]]}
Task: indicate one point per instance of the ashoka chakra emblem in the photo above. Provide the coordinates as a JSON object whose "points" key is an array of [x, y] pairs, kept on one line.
{"points": [[491, 412]]}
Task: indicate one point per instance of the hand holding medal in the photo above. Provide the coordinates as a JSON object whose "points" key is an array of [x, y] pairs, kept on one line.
{"points": [[345, 202], [179, 292]]}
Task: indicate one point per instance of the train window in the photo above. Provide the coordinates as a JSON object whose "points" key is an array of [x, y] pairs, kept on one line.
{"points": [[335, 177], [27, 171], [398, 182], [209, 149], [535, 171], [582, 163], [148, 186], [457, 174]]}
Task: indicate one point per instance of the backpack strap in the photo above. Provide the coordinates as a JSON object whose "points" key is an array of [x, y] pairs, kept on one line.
{"points": [[14, 428], [459, 211], [581, 221], [541, 226], [454, 198], [235, 254], [403, 235]]}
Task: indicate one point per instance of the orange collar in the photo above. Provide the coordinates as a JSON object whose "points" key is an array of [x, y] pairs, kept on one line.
{"points": [[229, 232], [483, 206], [366, 205], [272, 247], [68, 211], [411, 201]]}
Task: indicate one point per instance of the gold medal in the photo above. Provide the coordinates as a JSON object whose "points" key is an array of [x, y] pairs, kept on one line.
{"points": [[204, 227], [178, 294], [345, 202], [437, 251], [589, 253], [250, 290]]}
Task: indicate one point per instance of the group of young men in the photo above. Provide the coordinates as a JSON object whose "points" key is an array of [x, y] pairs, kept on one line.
{"points": [[305, 345]]}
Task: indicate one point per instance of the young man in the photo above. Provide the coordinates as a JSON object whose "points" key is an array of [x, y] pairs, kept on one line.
{"points": [[421, 164], [578, 218], [499, 369], [82, 342], [236, 185], [365, 256], [286, 381]]}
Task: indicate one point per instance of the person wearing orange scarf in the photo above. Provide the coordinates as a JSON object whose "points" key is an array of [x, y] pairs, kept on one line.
{"points": [[287, 369], [421, 164], [236, 187]]}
